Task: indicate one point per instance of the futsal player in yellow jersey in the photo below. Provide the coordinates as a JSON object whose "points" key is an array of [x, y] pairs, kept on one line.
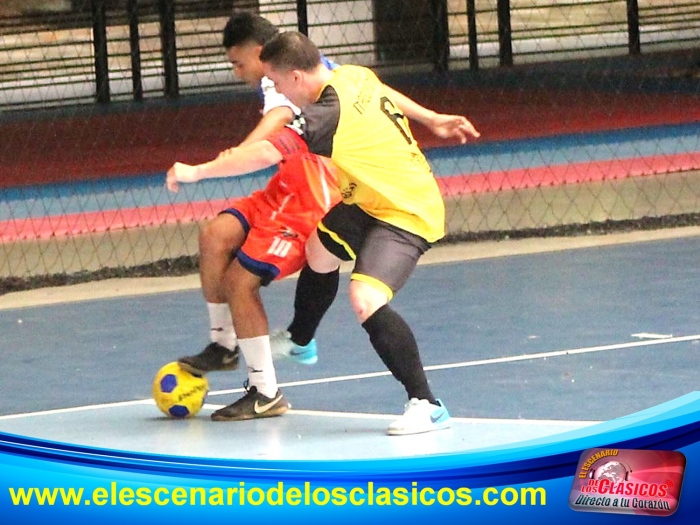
{"points": [[392, 209]]}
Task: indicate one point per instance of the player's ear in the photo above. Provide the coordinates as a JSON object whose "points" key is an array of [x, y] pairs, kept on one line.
{"points": [[298, 76]]}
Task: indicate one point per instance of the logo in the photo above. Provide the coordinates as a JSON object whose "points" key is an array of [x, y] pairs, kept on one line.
{"points": [[259, 409], [642, 482], [348, 191], [437, 416], [279, 247], [230, 358], [298, 124], [289, 233]]}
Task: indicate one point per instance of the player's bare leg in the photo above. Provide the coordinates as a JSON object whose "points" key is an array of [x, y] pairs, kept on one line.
{"points": [[263, 397], [219, 240]]}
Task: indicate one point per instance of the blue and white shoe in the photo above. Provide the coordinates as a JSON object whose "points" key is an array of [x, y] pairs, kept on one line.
{"points": [[282, 345], [420, 416]]}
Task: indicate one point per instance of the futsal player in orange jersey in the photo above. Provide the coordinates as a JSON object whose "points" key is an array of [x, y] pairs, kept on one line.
{"points": [[220, 239], [259, 238]]}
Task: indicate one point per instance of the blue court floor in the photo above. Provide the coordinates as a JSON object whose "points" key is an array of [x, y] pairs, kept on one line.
{"points": [[518, 347]]}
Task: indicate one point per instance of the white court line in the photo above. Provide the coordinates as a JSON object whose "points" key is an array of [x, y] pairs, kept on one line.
{"points": [[464, 364], [481, 362], [587, 350], [58, 411], [647, 335]]}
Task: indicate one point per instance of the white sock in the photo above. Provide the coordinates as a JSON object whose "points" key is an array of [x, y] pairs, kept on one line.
{"points": [[221, 326], [258, 359]]}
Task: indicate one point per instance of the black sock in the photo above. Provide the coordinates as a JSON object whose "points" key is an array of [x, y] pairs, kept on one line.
{"points": [[314, 295], [393, 340]]}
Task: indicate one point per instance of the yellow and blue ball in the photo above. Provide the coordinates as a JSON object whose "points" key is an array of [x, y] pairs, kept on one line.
{"points": [[178, 393]]}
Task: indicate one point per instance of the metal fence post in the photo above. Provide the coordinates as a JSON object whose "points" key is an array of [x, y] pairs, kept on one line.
{"points": [[633, 27], [302, 17], [99, 42], [473, 40], [441, 36], [169, 47], [135, 50], [505, 38]]}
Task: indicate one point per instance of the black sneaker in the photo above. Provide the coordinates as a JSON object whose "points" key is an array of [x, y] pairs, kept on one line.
{"points": [[213, 358], [253, 405]]}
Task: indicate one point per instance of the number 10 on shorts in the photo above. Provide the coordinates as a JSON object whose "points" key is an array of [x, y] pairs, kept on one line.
{"points": [[279, 247]]}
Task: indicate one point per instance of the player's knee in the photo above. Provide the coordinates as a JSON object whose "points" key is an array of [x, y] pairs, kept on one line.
{"points": [[318, 258], [211, 237], [365, 300], [221, 235]]}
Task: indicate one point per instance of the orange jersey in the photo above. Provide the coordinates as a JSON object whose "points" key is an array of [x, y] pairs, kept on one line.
{"points": [[301, 192], [279, 218]]}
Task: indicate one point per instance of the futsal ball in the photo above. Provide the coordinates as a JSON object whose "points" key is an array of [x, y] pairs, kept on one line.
{"points": [[178, 393]]}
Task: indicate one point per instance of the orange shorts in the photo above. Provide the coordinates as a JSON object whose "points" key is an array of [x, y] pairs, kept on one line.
{"points": [[272, 249]]}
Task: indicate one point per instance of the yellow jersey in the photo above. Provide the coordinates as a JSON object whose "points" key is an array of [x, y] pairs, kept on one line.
{"points": [[356, 124]]}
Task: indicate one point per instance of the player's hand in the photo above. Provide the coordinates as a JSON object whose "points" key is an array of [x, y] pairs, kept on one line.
{"points": [[453, 126], [180, 173], [225, 153]]}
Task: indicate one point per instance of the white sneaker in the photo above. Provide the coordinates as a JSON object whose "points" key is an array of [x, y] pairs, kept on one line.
{"points": [[420, 416], [282, 346]]}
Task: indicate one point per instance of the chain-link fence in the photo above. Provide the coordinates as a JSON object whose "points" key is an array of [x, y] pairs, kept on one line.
{"points": [[589, 111], [123, 49]]}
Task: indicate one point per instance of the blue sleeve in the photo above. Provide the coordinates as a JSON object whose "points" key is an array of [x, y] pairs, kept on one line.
{"points": [[327, 62]]}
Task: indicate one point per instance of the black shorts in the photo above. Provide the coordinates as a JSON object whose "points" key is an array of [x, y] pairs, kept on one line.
{"points": [[382, 252]]}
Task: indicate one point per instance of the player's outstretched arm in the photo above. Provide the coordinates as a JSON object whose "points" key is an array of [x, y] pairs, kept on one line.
{"points": [[230, 163], [270, 123], [443, 125]]}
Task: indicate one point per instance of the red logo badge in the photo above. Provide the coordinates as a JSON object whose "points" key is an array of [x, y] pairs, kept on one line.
{"points": [[644, 482]]}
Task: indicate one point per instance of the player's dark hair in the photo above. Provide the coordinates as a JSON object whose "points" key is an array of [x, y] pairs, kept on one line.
{"points": [[244, 27], [291, 50]]}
